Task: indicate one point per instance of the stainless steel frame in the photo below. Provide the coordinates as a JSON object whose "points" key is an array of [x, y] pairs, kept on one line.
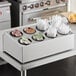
{"points": [[24, 67]]}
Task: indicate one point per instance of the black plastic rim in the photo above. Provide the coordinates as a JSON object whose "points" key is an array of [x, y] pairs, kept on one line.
{"points": [[24, 43], [28, 33], [49, 36], [16, 36]]}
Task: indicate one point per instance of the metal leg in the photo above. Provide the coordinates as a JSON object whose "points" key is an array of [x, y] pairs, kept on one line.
{"points": [[23, 73]]}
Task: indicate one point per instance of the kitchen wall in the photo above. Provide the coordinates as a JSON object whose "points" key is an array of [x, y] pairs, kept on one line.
{"points": [[72, 5]]}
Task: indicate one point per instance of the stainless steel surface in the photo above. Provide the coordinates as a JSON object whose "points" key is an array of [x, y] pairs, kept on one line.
{"points": [[59, 68], [29, 1], [4, 4], [36, 50], [23, 73], [40, 62], [5, 21], [37, 63], [34, 8], [36, 5], [29, 17], [29, 10], [2, 62]]}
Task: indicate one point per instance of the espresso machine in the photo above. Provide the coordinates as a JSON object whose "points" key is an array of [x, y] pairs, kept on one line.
{"points": [[26, 11]]}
